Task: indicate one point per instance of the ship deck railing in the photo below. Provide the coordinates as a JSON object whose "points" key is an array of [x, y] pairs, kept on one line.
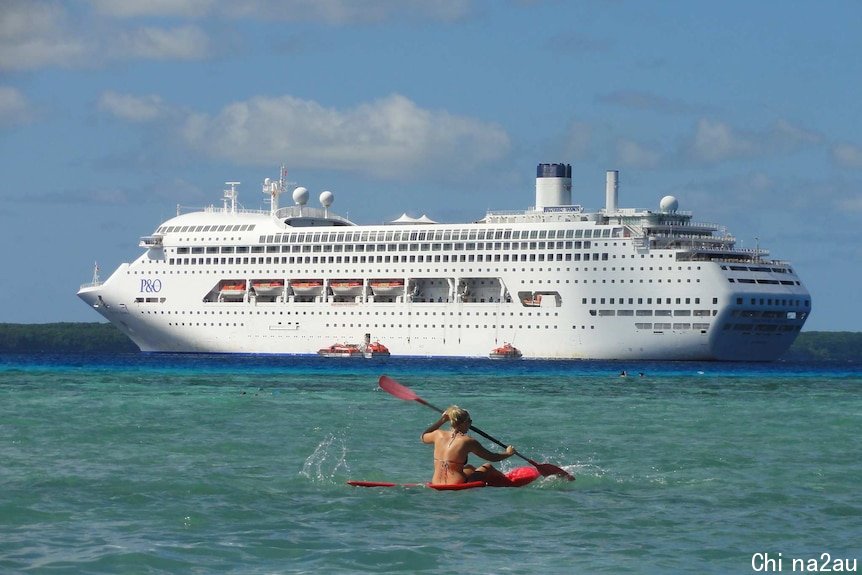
{"points": [[309, 212], [212, 209]]}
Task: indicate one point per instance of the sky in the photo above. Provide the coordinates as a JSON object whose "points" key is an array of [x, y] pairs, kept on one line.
{"points": [[114, 112]]}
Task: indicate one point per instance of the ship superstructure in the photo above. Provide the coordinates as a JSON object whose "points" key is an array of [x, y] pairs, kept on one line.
{"points": [[555, 280]]}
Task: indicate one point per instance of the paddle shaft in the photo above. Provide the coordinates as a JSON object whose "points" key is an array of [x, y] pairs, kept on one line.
{"points": [[479, 431]]}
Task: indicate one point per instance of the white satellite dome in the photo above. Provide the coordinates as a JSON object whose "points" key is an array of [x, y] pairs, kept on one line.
{"points": [[300, 196], [326, 199], [669, 204]]}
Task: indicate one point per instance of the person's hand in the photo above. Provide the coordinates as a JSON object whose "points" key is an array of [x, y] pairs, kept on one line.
{"points": [[444, 417], [510, 451]]}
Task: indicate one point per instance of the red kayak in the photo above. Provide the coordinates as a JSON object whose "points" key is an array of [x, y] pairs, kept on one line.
{"points": [[517, 477]]}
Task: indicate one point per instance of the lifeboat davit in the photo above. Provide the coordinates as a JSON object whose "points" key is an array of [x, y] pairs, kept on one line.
{"points": [[506, 351]]}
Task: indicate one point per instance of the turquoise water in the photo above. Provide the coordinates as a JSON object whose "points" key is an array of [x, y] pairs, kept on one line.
{"points": [[216, 464]]}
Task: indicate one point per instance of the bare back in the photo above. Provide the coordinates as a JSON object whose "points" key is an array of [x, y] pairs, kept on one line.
{"points": [[451, 449]]}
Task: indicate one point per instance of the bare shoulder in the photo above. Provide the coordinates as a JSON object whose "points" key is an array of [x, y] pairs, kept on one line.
{"points": [[430, 436], [471, 442]]}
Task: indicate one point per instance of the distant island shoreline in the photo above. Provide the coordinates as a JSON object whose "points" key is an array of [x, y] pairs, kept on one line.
{"points": [[95, 337]]}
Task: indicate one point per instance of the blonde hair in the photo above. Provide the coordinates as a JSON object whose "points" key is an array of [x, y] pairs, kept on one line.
{"points": [[457, 415]]}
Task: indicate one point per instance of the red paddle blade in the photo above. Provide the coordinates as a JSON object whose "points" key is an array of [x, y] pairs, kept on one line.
{"points": [[547, 469], [391, 386]]}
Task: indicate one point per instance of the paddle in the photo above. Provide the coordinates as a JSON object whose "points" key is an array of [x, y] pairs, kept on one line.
{"points": [[392, 387]]}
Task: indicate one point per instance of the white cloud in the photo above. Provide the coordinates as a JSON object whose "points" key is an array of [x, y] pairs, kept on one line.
{"points": [[635, 155], [133, 108], [14, 108], [150, 8], [637, 100], [715, 141], [853, 204], [37, 34], [348, 11], [578, 140], [847, 156], [391, 137], [181, 43], [330, 11], [787, 135]]}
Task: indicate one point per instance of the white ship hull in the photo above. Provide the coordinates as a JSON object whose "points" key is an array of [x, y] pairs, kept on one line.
{"points": [[616, 296]]}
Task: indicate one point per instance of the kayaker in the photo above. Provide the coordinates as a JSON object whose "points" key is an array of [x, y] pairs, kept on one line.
{"points": [[451, 448]]}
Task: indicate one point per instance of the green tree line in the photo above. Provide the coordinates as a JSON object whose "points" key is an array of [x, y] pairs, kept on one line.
{"points": [[63, 338], [105, 338]]}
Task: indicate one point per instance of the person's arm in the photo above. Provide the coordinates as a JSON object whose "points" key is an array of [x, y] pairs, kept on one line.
{"points": [[479, 449], [432, 428]]}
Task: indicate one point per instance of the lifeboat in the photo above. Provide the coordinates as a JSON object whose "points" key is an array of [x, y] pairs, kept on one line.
{"points": [[341, 350], [387, 287], [232, 289], [268, 287], [376, 349], [507, 351], [346, 287], [307, 287]]}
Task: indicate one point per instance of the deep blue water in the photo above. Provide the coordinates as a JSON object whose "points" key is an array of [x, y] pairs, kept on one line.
{"points": [[237, 464]]}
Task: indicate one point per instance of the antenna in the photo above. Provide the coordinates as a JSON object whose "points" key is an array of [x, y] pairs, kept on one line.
{"points": [[230, 194], [275, 188]]}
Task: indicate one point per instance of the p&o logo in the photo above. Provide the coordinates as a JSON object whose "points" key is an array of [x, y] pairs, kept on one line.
{"points": [[151, 286]]}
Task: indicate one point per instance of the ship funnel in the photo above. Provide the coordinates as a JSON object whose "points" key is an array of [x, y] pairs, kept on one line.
{"points": [[612, 191], [553, 185]]}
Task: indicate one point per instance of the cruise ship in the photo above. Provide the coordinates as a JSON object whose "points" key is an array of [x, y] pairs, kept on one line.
{"points": [[555, 280]]}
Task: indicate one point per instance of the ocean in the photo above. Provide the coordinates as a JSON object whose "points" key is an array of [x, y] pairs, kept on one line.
{"points": [[238, 464]]}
